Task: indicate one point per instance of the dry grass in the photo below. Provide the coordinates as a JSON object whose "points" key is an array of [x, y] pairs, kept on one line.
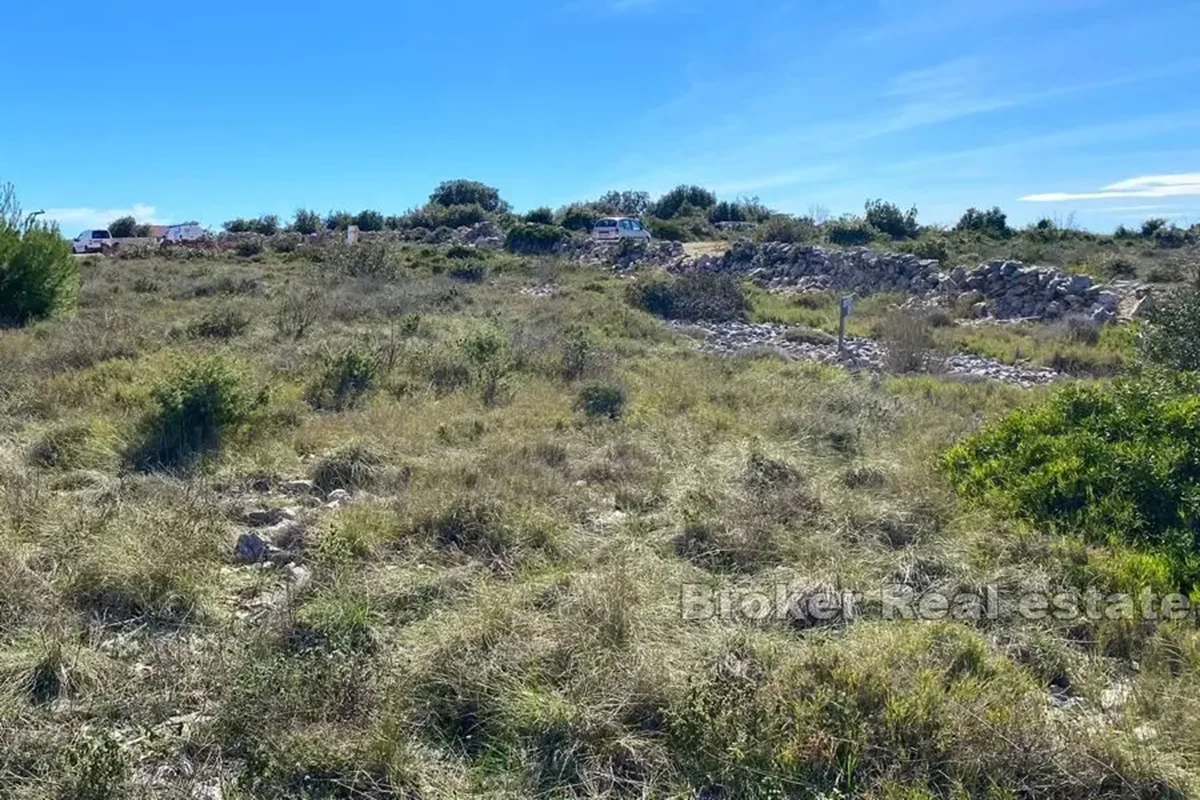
{"points": [[497, 612]]}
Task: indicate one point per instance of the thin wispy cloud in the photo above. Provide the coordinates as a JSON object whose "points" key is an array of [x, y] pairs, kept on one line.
{"points": [[1179, 184], [85, 218]]}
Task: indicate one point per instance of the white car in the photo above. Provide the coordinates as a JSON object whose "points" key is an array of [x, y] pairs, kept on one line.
{"points": [[92, 242], [610, 229], [185, 232]]}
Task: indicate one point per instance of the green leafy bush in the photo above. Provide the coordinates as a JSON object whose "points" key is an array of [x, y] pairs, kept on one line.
{"points": [[1172, 333], [38, 274], [602, 400], [694, 296], [1118, 465], [849, 232], [541, 216], [783, 228], [672, 203], [123, 228], [579, 217], [266, 225], [468, 273], [351, 467], [249, 248], [532, 238], [671, 230], [992, 222], [932, 246], [888, 218], [222, 323], [306, 222], [195, 409], [464, 192], [346, 379], [368, 220]]}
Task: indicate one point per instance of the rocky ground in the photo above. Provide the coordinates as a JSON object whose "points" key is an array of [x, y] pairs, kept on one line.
{"points": [[728, 338]]}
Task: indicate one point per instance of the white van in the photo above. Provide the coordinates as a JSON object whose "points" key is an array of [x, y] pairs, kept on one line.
{"points": [[610, 229], [185, 232], [92, 242]]}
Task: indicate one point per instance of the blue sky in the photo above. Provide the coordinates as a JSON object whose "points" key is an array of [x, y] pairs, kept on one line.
{"points": [[178, 111]]}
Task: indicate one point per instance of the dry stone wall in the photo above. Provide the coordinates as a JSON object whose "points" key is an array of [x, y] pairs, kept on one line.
{"points": [[1000, 289]]}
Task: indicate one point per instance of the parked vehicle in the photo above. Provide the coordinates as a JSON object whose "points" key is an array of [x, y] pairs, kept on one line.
{"points": [[184, 232], [95, 241], [613, 228]]}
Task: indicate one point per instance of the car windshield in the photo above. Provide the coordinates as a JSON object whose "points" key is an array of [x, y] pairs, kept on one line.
{"points": [[606, 223]]}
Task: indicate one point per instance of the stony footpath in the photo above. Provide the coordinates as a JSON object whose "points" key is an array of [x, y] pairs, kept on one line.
{"points": [[729, 338]]}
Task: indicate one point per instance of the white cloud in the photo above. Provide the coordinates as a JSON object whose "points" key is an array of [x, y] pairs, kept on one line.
{"points": [[1180, 184], [70, 219]]}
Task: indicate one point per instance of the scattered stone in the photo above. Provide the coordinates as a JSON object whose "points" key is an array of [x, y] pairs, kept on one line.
{"points": [[728, 338], [264, 517], [300, 487], [252, 548], [337, 498]]}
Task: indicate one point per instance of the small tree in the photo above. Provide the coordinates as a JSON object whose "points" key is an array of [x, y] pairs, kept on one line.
{"points": [[540, 216], [123, 228], [38, 275], [992, 222], [306, 222], [369, 220], [338, 220], [672, 203], [464, 192], [1152, 226], [887, 218], [627, 203], [1172, 335]]}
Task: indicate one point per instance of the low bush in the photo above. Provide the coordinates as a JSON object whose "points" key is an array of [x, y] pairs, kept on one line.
{"points": [[677, 201], [889, 219], [602, 400], [196, 408], [38, 274], [223, 323], [782, 228], [1118, 466], [468, 273], [932, 246], [249, 248], [352, 467], [694, 296], [540, 216], [849, 232], [1172, 332], [908, 342], [532, 238], [346, 379]]}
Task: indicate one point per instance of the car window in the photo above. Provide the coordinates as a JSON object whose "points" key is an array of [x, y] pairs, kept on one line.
{"points": [[625, 225], [99, 234], [606, 223], [635, 225]]}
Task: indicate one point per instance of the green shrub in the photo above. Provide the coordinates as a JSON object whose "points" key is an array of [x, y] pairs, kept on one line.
{"points": [[533, 238], [249, 248], [346, 379], [992, 222], [782, 228], [195, 410], [266, 225], [673, 203], [1117, 465], [694, 296], [434, 216], [38, 274], [888, 218], [540, 216], [1172, 333], [351, 467], [338, 220], [932, 246], [849, 232], [1152, 226], [602, 400], [463, 192], [468, 273], [671, 230], [579, 217], [306, 222], [123, 228], [223, 323], [369, 221]]}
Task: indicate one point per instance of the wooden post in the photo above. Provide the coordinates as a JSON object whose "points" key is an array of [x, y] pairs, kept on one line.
{"points": [[845, 312]]}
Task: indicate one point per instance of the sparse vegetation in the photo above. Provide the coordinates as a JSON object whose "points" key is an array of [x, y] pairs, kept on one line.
{"points": [[38, 275], [509, 598]]}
